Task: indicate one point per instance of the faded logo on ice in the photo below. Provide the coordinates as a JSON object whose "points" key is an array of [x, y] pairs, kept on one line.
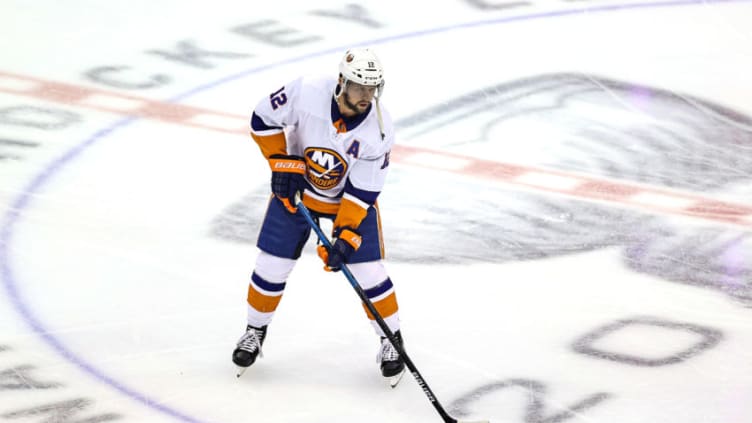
{"points": [[577, 123], [596, 126]]}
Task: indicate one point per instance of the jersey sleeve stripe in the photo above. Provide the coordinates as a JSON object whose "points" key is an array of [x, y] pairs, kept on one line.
{"points": [[365, 196], [258, 124], [350, 214], [271, 144], [364, 205]]}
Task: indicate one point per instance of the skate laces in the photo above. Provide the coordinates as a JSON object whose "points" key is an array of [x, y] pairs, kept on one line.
{"points": [[387, 351], [250, 341]]}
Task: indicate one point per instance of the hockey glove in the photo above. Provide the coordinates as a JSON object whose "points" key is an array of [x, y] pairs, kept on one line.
{"points": [[287, 178], [347, 242]]}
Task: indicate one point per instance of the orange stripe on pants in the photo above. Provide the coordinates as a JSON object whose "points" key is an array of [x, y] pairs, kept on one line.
{"points": [[386, 306], [261, 302]]}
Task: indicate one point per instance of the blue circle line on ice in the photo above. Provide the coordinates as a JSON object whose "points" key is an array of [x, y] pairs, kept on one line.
{"points": [[24, 200]]}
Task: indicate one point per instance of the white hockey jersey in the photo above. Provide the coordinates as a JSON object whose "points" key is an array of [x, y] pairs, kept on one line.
{"points": [[346, 158]]}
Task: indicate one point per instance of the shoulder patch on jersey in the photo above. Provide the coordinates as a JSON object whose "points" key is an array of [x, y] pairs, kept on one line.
{"points": [[326, 168]]}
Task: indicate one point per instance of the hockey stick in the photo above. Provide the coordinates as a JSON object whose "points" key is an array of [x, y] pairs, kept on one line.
{"points": [[382, 324]]}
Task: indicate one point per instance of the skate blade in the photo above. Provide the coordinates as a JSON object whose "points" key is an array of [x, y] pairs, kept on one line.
{"points": [[241, 370], [394, 380]]}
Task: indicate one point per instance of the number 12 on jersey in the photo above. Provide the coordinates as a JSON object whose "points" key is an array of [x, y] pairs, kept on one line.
{"points": [[278, 98]]}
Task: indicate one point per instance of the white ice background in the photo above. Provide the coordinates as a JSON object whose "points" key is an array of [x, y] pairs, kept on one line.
{"points": [[121, 303]]}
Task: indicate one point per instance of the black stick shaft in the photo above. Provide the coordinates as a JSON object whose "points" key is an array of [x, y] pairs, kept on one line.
{"points": [[380, 321]]}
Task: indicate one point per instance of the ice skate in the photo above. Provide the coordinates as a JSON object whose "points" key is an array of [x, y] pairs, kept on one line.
{"points": [[392, 366], [248, 348]]}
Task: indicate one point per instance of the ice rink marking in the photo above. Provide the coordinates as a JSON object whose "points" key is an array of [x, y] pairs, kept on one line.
{"points": [[586, 187], [173, 113]]}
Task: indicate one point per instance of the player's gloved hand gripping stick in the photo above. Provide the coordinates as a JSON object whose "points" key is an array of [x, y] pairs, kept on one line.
{"points": [[346, 243], [302, 209], [287, 178]]}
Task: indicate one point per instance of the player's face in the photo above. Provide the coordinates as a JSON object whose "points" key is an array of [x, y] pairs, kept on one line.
{"points": [[357, 97]]}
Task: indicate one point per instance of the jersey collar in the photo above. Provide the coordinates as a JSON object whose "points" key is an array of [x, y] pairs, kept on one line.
{"points": [[344, 123]]}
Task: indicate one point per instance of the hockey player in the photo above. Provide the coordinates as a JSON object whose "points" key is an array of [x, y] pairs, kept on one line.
{"points": [[328, 139]]}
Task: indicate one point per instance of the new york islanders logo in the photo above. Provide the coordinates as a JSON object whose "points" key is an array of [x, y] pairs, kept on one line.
{"points": [[326, 167]]}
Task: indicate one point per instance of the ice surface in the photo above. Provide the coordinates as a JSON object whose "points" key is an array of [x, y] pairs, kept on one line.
{"points": [[567, 220]]}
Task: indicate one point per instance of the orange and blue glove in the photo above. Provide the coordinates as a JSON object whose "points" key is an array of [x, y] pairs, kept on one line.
{"points": [[345, 243], [288, 178]]}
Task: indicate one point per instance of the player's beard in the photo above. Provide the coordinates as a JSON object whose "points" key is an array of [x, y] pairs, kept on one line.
{"points": [[350, 105]]}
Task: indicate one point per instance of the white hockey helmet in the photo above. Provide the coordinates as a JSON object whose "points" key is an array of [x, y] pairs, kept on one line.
{"points": [[360, 65]]}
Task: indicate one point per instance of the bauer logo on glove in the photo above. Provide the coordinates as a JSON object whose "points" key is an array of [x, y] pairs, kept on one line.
{"points": [[287, 178]]}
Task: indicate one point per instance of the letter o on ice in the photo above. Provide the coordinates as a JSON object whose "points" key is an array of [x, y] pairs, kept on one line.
{"points": [[707, 339]]}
